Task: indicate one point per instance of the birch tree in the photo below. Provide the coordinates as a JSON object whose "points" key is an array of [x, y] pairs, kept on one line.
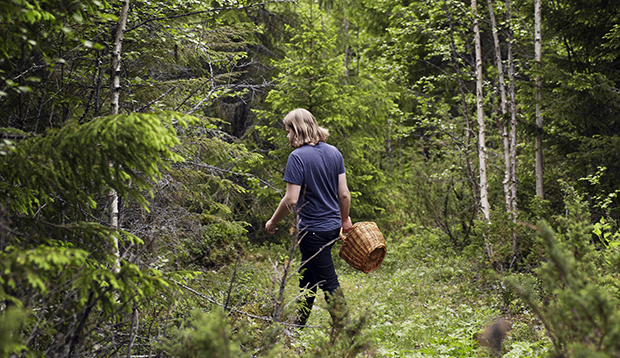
{"points": [[115, 92], [513, 117], [482, 149], [502, 123], [539, 120]]}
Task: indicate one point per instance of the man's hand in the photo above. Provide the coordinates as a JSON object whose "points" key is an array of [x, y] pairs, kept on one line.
{"points": [[270, 227], [286, 206], [347, 225]]}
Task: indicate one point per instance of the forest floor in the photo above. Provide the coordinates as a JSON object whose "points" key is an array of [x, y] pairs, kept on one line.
{"points": [[424, 301], [431, 304]]}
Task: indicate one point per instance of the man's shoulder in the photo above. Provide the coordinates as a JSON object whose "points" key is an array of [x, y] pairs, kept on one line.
{"points": [[328, 147], [332, 149]]}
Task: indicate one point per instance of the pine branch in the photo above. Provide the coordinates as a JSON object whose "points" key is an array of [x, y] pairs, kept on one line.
{"points": [[5, 135], [211, 167], [146, 106]]}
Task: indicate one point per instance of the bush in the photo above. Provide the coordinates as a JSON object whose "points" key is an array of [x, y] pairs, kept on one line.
{"points": [[206, 335], [577, 299]]}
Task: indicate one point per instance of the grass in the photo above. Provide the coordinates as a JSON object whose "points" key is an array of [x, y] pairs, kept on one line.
{"points": [[422, 302], [418, 307]]}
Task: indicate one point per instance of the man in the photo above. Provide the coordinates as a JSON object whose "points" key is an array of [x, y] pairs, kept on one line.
{"points": [[317, 191]]}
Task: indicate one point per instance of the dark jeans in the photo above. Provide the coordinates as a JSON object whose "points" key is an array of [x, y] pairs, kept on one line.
{"points": [[316, 246]]}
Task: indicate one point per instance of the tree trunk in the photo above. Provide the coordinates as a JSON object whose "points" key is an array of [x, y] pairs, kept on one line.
{"points": [[513, 115], [482, 148], [114, 109], [503, 124], [116, 60], [513, 127], [539, 120]]}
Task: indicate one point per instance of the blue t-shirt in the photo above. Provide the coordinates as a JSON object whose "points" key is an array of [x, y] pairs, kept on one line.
{"points": [[316, 170]]}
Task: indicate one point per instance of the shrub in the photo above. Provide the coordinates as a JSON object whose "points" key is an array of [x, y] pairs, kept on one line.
{"points": [[577, 300]]}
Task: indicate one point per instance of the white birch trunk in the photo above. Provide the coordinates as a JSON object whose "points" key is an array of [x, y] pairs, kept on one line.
{"points": [[503, 124], [539, 120], [114, 109], [482, 148], [513, 120], [116, 59]]}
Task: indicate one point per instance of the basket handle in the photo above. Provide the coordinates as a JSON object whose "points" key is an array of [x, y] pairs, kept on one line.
{"points": [[343, 236]]}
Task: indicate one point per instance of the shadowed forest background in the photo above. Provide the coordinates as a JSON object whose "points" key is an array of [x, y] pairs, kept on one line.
{"points": [[142, 152]]}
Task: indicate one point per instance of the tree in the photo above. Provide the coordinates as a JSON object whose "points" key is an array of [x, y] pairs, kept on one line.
{"points": [[56, 259], [503, 124], [482, 147], [513, 118], [41, 40], [577, 299], [114, 107], [580, 82], [426, 54], [56, 234], [539, 120], [353, 108]]}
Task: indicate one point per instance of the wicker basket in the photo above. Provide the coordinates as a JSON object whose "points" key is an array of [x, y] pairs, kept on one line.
{"points": [[364, 247]]}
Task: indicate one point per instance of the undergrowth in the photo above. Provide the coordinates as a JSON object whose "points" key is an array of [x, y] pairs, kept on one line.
{"points": [[424, 301]]}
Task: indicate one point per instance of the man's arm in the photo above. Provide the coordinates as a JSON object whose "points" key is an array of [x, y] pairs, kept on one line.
{"points": [[344, 198], [287, 205]]}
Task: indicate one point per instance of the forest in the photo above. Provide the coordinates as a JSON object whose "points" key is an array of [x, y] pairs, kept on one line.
{"points": [[143, 151]]}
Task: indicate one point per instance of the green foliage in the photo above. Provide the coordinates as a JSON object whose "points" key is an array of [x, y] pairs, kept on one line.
{"points": [[422, 302], [494, 243], [33, 30], [22, 15], [81, 160], [57, 261], [603, 230], [581, 76], [221, 242], [217, 195], [205, 335], [578, 296], [180, 56], [392, 81], [31, 267], [348, 335], [355, 109], [425, 302], [11, 322], [438, 196]]}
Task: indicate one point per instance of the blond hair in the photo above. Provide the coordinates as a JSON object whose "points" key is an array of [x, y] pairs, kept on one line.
{"points": [[305, 128]]}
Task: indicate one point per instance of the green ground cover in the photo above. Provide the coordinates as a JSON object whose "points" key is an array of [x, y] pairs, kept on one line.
{"points": [[424, 301]]}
